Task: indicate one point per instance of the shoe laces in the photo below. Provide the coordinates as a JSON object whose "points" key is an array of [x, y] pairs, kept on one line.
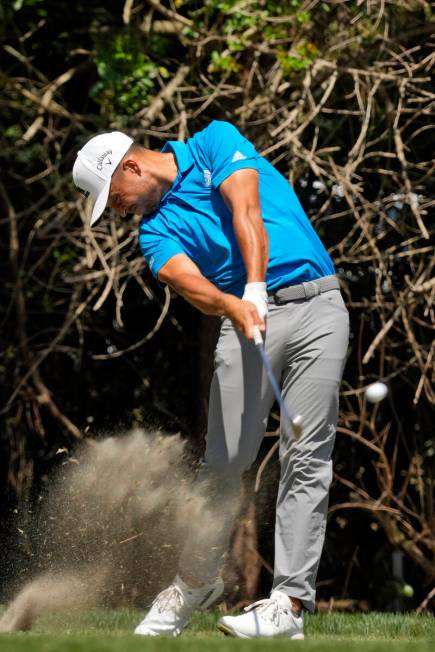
{"points": [[169, 599], [269, 609]]}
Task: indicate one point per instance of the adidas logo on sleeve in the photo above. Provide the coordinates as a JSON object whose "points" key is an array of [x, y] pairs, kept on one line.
{"points": [[238, 156]]}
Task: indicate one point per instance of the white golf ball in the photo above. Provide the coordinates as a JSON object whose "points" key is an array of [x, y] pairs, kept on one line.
{"points": [[376, 392]]}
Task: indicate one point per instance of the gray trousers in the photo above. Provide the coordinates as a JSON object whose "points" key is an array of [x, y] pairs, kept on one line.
{"points": [[306, 341]]}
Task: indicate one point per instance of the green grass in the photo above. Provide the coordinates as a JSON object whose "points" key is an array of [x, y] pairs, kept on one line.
{"points": [[110, 631]]}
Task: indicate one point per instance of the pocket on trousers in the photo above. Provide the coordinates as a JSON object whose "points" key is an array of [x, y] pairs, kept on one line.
{"points": [[226, 345], [334, 299]]}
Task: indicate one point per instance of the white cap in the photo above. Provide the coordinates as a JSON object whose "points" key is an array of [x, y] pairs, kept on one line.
{"points": [[95, 164]]}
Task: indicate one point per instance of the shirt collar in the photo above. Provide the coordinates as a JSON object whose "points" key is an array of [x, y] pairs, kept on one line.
{"points": [[184, 163], [182, 155]]}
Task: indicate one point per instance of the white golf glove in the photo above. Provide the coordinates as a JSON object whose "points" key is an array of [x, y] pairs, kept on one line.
{"points": [[256, 293]]}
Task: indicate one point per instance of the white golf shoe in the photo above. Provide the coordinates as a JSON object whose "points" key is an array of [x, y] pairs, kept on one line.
{"points": [[266, 618], [172, 608]]}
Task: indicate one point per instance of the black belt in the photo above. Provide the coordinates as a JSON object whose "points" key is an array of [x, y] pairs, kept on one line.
{"points": [[305, 290]]}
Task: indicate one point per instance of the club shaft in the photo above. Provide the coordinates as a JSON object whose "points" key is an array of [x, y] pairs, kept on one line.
{"points": [[291, 423]]}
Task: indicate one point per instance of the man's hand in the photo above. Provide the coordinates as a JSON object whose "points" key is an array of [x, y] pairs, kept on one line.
{"points": [[243, 314], [256, 293]]}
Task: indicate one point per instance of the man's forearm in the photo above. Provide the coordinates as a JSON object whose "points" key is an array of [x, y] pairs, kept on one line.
{"points": [[184, 276], [253, 243], [202, 294]]}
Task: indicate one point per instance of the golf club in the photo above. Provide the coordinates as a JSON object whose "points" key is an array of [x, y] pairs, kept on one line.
{"points": [[287, 419]]}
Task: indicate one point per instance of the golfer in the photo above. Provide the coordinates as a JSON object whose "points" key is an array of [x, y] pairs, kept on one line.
{"points": [[226, 231]]}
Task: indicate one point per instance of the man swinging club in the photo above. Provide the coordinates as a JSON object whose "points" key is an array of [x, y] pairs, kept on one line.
{"points": [[226, 231]]}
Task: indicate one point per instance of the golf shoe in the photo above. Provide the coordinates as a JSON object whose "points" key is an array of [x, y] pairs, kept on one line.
{"points": [[172, 608], [266, 618]]}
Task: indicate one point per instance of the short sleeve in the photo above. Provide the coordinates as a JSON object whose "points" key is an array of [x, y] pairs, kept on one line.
{"points": [[157, 248], [227, 151]]}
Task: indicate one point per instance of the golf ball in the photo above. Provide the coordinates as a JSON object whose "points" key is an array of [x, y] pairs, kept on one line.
{"points": [[407, 591], [376, 392]]}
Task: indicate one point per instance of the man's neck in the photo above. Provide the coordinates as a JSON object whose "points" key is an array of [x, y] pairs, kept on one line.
{"points": [[162, 165]]}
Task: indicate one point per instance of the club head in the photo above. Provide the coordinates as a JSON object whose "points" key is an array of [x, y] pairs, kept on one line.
{"points": [[297, 426]]}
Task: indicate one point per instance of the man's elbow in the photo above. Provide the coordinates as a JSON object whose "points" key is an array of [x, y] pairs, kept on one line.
{"points": [[177, 282], [168, 278], [163, 277]]}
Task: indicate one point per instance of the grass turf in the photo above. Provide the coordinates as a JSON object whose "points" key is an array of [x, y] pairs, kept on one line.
{"points": [[110, 631]]}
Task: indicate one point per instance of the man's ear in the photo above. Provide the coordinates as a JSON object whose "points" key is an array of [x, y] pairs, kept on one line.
{"points": [[130, 165]]}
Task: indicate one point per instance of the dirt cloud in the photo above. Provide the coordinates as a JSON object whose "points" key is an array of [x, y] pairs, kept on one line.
{"points": [[111, 526]]}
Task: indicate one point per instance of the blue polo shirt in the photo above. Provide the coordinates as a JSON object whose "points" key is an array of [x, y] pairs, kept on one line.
{"points": [[193, 219]]}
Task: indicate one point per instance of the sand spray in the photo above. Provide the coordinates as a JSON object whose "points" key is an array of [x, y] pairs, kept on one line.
{"points": [[112, 525]]}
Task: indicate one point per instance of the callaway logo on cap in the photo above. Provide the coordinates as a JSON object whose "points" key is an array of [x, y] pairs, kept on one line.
{"points": [[94, 166]]}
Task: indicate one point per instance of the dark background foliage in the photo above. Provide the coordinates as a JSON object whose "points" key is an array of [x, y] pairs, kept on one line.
{"points": [[337, 95]]}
